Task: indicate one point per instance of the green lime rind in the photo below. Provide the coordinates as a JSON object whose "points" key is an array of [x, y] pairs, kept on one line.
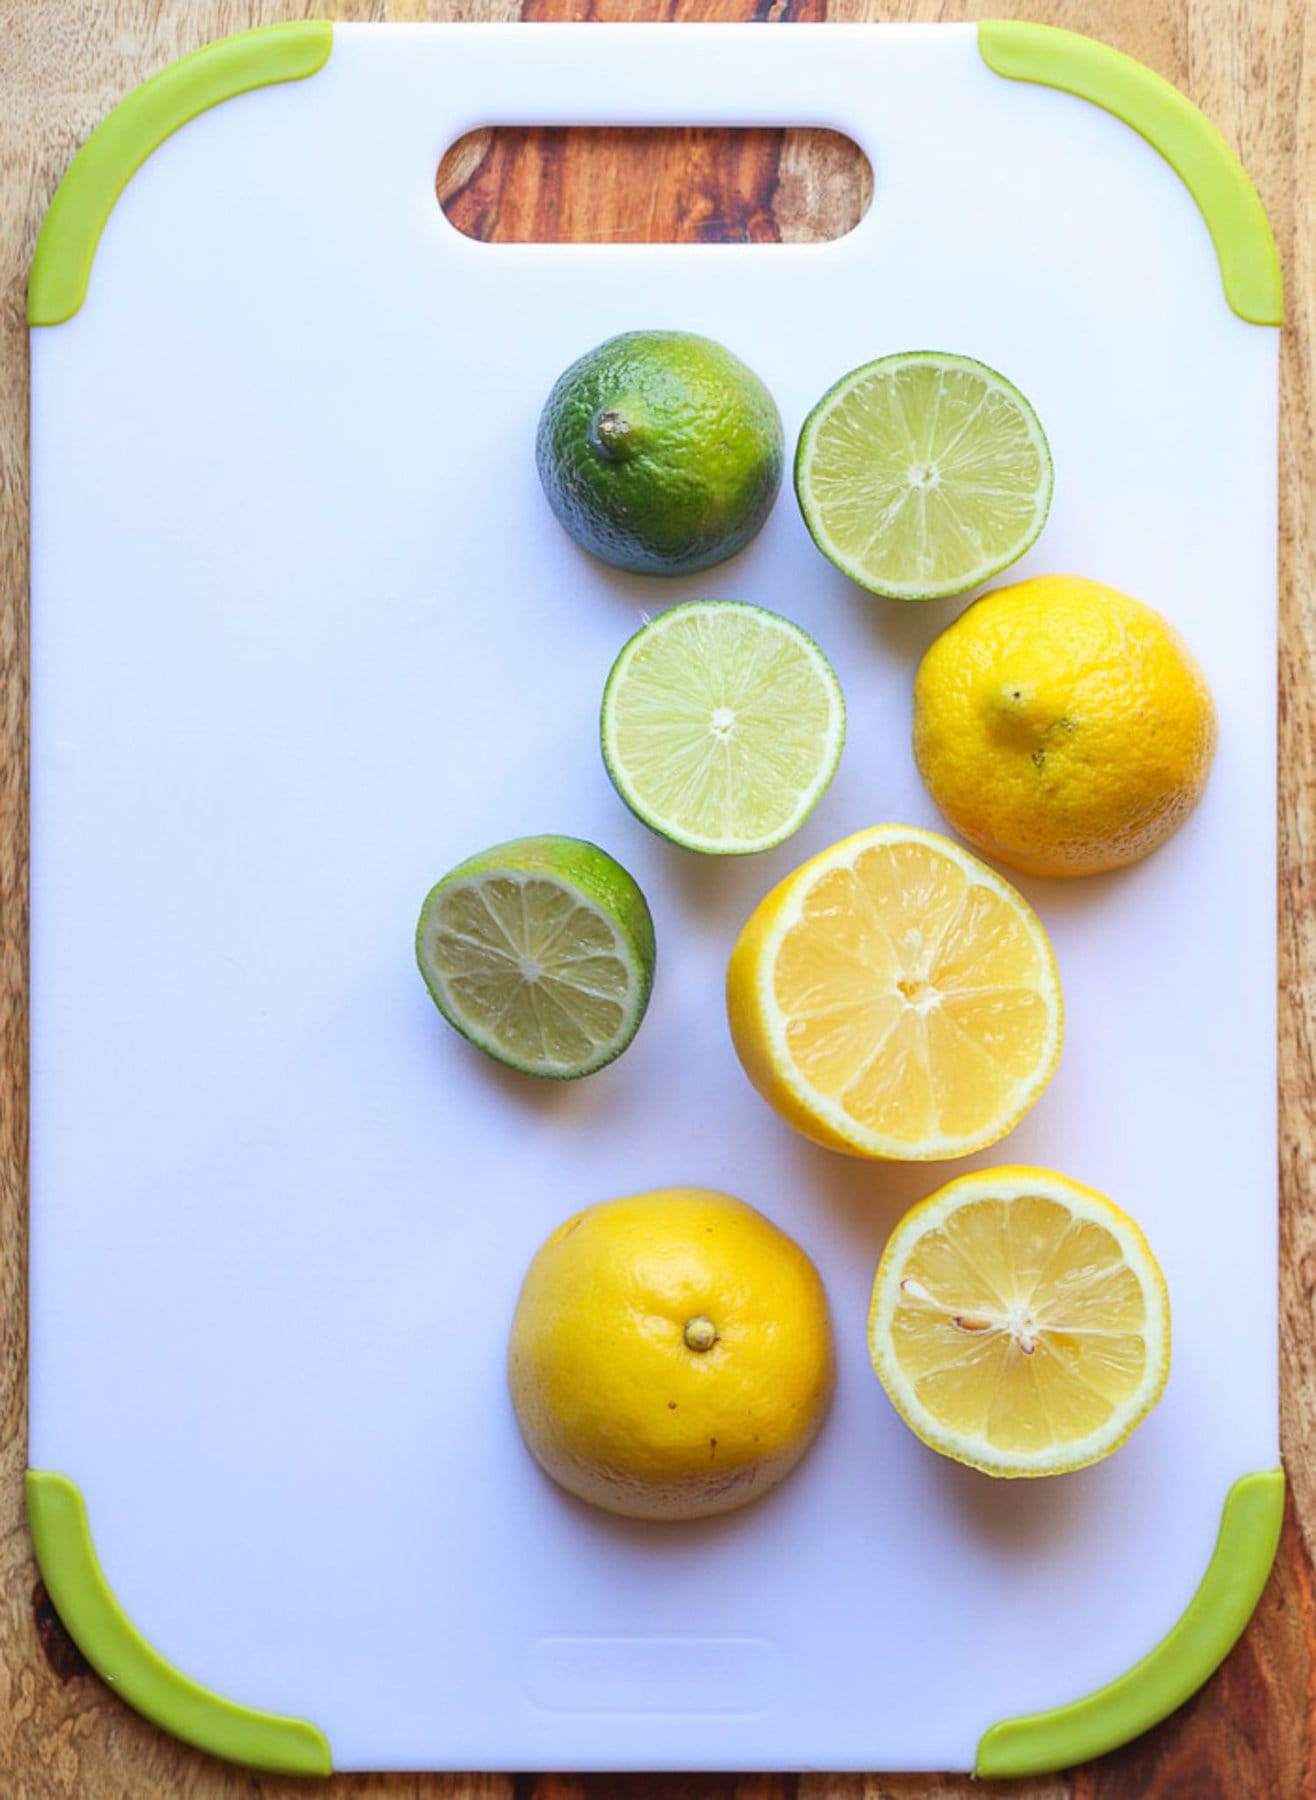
{"points": [[660, 452], [963, 578], [602, 899], [807, 793]]}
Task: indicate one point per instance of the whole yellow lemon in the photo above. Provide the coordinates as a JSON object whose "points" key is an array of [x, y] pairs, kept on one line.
{"points": [[1063, 727], [671, 1355]]}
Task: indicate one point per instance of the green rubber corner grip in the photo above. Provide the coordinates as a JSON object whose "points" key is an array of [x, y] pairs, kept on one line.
{"points": [[1171, 124], [1190, 1652], [122, 1657], [121, 143]]}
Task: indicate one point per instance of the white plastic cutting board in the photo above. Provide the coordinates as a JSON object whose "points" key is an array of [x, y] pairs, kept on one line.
{"points": [[305, 633]]}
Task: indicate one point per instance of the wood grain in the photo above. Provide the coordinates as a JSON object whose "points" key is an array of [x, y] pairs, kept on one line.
{"points": [[555, 184], [1251, 64]]}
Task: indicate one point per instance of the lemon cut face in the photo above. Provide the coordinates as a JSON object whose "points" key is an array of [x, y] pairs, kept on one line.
{"points": [[896, 998], [1020, 1323]]}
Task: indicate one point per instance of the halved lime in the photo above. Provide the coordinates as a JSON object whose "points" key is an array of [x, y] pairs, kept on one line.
{"points": [[660, 452], [921, 475], [541, 953], [722, 726]]}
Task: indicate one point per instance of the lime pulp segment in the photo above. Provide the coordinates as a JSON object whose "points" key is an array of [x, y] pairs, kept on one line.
{"points": [[541, 954], [923, 474], [722, 726]]}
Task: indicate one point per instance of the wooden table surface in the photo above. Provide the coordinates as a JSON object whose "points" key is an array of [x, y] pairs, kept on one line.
{"points": [[1251, 65]]}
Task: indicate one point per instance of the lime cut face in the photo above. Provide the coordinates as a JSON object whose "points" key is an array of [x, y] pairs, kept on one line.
{"points": [[923, 474], [540, 952], [722, 726]]}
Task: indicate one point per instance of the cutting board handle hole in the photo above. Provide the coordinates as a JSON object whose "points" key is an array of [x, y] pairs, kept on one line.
{"points": [[552, 184]]}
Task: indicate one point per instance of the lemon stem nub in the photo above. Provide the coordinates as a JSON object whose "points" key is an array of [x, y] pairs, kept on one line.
{"points": [[700, 1334], [1018, 708]]}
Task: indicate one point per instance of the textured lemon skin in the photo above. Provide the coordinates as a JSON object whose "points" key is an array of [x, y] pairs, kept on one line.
{"points": [[1063, 727], [987, 1184], [751, 1007], [611, 1400]]}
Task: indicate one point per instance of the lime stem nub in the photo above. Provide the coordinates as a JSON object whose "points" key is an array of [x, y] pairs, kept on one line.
{"points": [[609, 432]]}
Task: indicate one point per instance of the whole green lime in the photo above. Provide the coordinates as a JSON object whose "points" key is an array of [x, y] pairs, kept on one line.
{"points": [[660, 452]]}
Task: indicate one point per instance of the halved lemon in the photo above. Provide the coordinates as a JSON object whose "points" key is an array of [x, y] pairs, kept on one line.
{"points": [[896, 998], [1020, 1322]]}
